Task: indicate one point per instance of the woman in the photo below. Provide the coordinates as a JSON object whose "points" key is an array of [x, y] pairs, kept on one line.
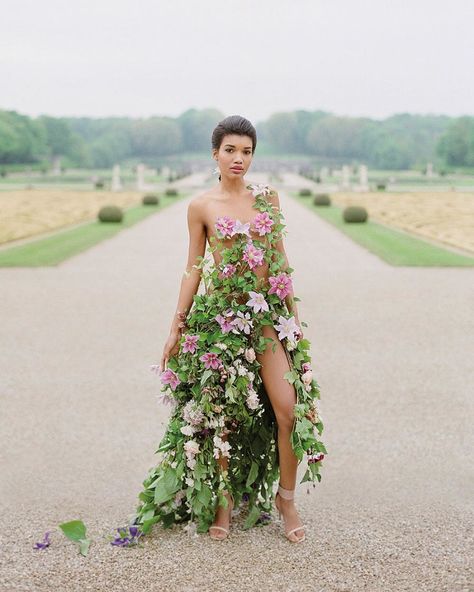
{"points": [[235, 367]]}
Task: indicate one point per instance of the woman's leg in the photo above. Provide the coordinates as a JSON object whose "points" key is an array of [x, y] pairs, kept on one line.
{"points": [[222, 514], [282, 396]]}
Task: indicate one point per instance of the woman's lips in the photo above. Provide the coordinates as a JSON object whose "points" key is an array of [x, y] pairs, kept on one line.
{"points": [[236, 169]]}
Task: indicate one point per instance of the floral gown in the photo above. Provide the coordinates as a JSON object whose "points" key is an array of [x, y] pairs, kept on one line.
{"points": [[214, 387]]}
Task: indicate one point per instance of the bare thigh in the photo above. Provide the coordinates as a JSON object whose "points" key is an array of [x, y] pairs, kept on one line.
{"points": [[281, 393]]}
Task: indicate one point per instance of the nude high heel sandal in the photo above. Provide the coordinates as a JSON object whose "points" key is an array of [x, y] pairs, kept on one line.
{"points": [[230, 507], [289, 494]]}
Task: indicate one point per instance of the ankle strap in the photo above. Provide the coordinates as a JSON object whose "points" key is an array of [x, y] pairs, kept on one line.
{"points": [[288, 494]]}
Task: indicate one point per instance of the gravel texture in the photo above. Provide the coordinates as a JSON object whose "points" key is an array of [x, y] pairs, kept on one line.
{"points": [[392, 351]]}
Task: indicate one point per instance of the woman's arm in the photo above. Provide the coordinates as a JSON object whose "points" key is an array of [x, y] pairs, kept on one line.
{"points": [[191, 276], [289, 299]]}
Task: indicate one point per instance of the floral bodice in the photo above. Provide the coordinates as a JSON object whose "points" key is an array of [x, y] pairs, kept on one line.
{"points": [[253, 249]]}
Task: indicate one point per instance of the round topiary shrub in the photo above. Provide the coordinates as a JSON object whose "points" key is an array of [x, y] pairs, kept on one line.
{"points": [[322, 199], [381, 186], [110, 214], [151, 199], [305, 192], [99, 184], [171, 191], [355, 214]]}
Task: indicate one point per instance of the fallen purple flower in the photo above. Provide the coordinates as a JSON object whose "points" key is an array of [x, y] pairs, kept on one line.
{"points": [[129, 535], [44, 543]]}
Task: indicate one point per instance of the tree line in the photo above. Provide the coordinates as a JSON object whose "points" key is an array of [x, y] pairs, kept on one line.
{"points": [[401, 141]]}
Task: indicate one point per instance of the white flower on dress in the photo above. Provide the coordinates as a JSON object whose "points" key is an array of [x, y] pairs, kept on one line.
{"points": [[253, 402], [241, 228], [258, 189], [192, 413], [187, 430], [286, 328], [242, 322], [257, 301], [221, 447], [250, 354]]}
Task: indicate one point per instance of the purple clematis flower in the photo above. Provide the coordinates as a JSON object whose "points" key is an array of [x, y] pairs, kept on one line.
{"points": [[44, 543], [129, 535]]}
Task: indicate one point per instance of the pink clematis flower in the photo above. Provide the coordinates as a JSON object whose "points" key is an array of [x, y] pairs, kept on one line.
{"points": [[228, 270], [171, 378], [190, 343], [257, 301], [225, 226], [211, 360], [252, 255], [263, 223], [281, 285], [226, 321]]}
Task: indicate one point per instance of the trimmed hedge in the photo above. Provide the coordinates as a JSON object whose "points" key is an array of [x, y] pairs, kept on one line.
{"points": [[171, 191], [355, 214], [151, 199], [305, 192], [322, 199], [110, 213]]}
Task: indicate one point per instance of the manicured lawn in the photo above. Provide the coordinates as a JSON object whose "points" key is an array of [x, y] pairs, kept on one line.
{"points": [[393, 246], [63, 244]]}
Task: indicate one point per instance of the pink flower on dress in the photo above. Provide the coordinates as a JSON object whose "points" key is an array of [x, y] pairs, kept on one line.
{"points": [[190, 343], [226, 321], [281, 285], [263, 223], [225, 226], [252, 255], [211, 360], [305, 366], [171, 378], [228, 270]]}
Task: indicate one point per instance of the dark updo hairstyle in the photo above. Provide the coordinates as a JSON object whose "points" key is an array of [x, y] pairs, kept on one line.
{"points": [[233, 124]]}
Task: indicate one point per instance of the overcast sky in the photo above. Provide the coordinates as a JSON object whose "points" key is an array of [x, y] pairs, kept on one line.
{"points": [[250, 57]]}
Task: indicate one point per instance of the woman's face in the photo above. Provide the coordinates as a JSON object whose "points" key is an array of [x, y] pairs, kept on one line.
{"points": [[234, 155]]}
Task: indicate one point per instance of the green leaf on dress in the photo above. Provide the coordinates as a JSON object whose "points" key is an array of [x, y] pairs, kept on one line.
{"points": [[252, 474]]}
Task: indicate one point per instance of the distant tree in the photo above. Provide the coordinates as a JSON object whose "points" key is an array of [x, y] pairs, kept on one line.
{"points": [[156, 136], [456, 145]]}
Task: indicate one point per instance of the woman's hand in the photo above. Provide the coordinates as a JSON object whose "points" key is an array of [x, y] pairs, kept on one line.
{"points": [[171, 348]]}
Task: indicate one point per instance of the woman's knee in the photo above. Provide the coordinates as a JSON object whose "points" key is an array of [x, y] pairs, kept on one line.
{"points": [[285, 419]]}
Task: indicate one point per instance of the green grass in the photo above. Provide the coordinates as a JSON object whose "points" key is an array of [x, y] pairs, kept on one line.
{"points": [[391, 245], [54, 249]]}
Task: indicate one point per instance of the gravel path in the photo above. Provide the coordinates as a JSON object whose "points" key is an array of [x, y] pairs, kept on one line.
{"points": [[79, 423]]}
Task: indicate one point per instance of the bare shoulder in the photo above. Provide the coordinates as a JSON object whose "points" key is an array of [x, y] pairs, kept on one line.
{"points": [[197, 206], [273, 197]]}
